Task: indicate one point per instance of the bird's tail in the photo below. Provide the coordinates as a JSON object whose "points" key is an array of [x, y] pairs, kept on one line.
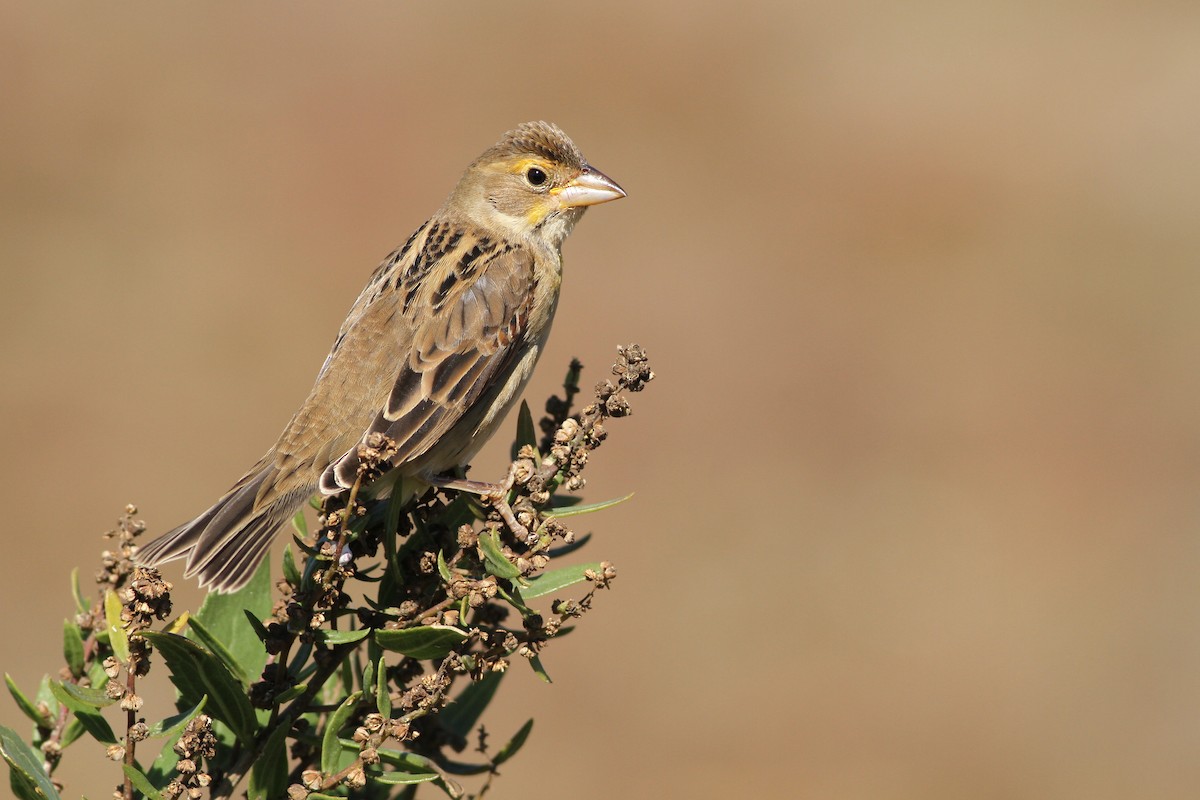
{"points": [[225, 544]]}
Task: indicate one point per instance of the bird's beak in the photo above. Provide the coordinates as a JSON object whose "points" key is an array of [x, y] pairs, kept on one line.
{"points": [[590, 188]]}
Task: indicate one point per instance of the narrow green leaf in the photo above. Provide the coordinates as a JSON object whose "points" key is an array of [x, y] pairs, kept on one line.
{"points": [[260, 630], [443, 570], [331, 750], [556, 580], [514, 599], [460, 716], [300, 523], [575, 511], [514, 744], [342, 637], [269, 774], [426, 641], [290, 572], [27, 777], [197, 672], [539, 670], [493, 556], [73, 648], [402, 778], [116, 634], [164, 765], [526, 432], [223, 616], [175, 724], [27, 707], [368, 678], [141, 782], [86, 696], [409, 762], [451, 788], [81, 603], [87, 715], [204, 637], [291, 694], [383, 694], [302, 546]]}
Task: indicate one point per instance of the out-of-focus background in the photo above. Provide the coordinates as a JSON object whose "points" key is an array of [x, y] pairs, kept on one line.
{"points": [[918, 487]]}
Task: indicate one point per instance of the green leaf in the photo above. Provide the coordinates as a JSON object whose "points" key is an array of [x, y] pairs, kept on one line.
{"points": [[443, 570], [426, 641], [409, 762], [556, 580], [87, 715], [342, 637], [223, 617], [73, 648], [90, 699], [27, 778], [575, 511], [493, 556], [460, 716], [368, 678], [116, 634], [27, 708], [290, 572], [80, 603], [204, 637], [526, 432], [141, 782], [269, 774], [72, 732], [175, 724], [383, 695], [164, 764], [514, 744], [539, 670], [197, 672], [401, 778], [514, 599], [291, 694], [448, 786], [300, 524], [260, 630], [331, 749]]}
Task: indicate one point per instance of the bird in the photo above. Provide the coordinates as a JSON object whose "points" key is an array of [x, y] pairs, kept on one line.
{"points": [[434, 352]]}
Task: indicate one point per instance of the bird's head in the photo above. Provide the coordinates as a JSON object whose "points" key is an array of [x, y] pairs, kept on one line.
{"points": [[534, 181]]}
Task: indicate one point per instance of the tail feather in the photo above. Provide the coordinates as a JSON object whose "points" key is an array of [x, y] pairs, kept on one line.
{"points": [[225, 544]]}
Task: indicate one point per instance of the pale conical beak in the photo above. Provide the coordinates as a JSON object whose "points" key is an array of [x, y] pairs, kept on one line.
{"points": [[590, 188]]}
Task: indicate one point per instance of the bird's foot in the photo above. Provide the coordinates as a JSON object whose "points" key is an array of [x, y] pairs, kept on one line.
{"points": [[496, 495]]}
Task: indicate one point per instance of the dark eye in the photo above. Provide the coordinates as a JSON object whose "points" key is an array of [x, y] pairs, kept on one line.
{"points": [[535, 176]]}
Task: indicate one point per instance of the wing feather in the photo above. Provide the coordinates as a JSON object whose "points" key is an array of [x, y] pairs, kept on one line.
{"points": [[465, 333]]}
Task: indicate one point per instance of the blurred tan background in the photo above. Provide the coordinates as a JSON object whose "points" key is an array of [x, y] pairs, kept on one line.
{"points": [[918, 509]]}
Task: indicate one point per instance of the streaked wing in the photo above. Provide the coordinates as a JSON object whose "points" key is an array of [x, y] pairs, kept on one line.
{"points": [[467, 315]]}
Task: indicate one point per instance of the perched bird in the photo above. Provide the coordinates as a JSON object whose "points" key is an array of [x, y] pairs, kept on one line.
{"points": [[434, 352]]}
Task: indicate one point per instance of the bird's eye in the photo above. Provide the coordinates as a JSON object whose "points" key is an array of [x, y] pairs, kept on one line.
{"points": [[535, 176]]}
